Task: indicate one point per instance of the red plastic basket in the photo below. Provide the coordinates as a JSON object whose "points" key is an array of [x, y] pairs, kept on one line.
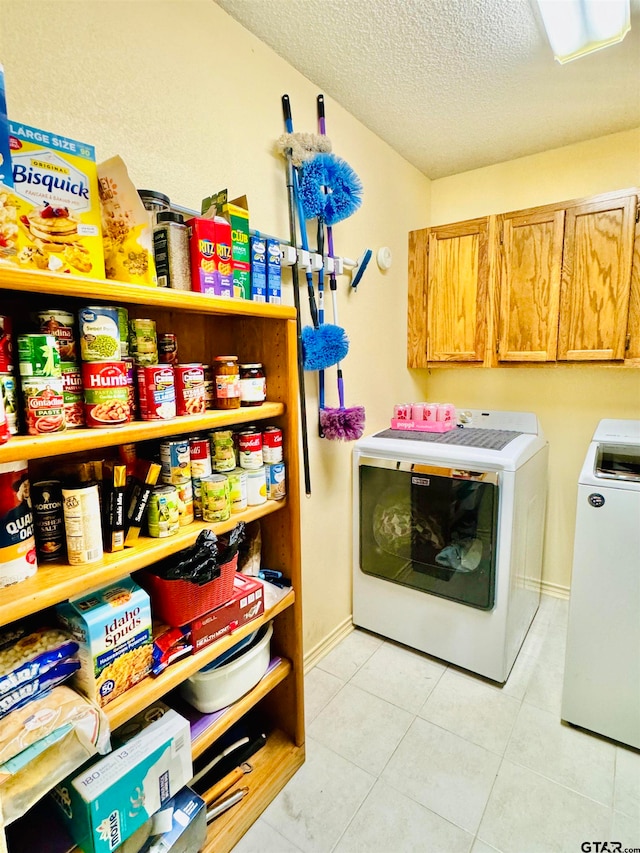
{"points": [[178, 602]]}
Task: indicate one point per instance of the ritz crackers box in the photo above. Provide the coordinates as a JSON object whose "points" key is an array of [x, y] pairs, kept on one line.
{"points": [[55, 189], [210, 253]]}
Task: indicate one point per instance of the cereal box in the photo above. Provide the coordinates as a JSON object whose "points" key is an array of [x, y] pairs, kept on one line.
{"points": [[113, 797], [236, 213], [56, 196], [113, 629], [8, 216]]}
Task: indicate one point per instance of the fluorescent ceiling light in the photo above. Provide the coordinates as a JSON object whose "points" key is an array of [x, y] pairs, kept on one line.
{"points": [[578, 27]]}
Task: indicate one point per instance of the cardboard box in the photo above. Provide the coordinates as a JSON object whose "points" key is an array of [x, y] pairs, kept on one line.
{"points": [[246, 604], [8, 203], [188, 826], [274, 272], [55, 187], [113, 629], [210, 254], [236, 213], [258, 269], [114, 796]]}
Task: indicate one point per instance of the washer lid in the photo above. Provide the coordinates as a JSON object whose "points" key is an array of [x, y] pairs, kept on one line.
{"points": [[617, 431]]}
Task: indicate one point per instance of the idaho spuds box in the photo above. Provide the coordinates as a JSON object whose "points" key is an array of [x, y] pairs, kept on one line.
{"points": [[106, 803]]}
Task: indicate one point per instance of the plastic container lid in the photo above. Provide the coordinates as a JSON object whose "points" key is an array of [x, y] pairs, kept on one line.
{"points": [[154, 198], [169, 216]]}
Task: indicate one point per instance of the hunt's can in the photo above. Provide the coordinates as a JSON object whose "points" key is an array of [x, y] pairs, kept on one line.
{"points": [[10, 401], [17, 543], [157, 392], [256, 487], [43, 404], [175, 457], [224, 454], [46, 500], [237, 489], [163, 517], [272, 445], [6, 345], [185, 503], [131, 386], [106, 396], [250, 450], [168, 348], [38, 355], [99, 329], [275, 477], [216, 505], [60, 324], [189, 389], [143, 343], [83, 529], [72, 394], [200, 453], [123, 329]]}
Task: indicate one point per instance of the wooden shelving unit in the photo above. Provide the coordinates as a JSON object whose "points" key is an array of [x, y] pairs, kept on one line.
{"points": [[205, 327]]}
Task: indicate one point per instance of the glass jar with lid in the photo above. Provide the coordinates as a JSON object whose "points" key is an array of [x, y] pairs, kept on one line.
{"points": [[227, 381], [154, 202], [171, 251], [253, 385]]}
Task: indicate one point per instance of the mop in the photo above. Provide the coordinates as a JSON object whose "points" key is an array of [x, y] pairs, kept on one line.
{"points": [[340, 424]]}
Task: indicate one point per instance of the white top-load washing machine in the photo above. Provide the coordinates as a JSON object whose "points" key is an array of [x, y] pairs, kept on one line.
{"points": [[448, 535], [602, 667]]}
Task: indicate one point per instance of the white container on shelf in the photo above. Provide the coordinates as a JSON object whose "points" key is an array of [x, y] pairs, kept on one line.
{"points": [[212, 689]]}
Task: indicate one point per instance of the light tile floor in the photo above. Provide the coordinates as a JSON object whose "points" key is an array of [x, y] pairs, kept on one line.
{"points": [[405, 753]]}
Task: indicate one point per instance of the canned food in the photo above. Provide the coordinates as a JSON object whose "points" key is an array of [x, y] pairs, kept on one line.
{"points": [[5, 435], [275, 477], [43, 404], [98, 327], [224, 454], [143, 343], [189, 389], [83, 530], [106, 396], [6, 346], [162, 513], [253, 385], [185, 503], [272, 445], [168, 348], [237, 489], [123, 330], [10, 401], [216, 505], [72, 394], [209, 388], [131, 386], [250, 450], [200, 453], [38, 355], [175, 457], [256, 487], [17, 543], [60, 325], [46, 500], [157, 393]]}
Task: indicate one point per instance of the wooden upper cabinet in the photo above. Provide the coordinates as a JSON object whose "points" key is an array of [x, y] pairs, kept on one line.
{"points": [[457, 291], [596, 279], [530, 272]]}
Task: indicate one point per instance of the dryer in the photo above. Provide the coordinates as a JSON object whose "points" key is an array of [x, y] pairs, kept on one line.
{"points": [[448, 537]]}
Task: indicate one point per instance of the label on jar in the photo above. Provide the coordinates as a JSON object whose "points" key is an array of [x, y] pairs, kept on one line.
{"points": [[83, 529], [228, 386], [17, 542], [106, 394], [43, 404]]}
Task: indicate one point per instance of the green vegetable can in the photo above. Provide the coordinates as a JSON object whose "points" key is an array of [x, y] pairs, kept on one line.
{"points": [[99, 333], [39, 355], [163, 517]]}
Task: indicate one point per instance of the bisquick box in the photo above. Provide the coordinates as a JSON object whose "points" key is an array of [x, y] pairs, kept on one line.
{"points": [[246, 604], [113, 797]]}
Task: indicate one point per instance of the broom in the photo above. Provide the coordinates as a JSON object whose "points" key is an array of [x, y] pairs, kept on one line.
{"points": [[340, 424]]}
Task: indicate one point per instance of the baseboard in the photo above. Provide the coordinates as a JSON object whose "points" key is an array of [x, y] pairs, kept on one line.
{"points": [[341, 631], [555, 589]]}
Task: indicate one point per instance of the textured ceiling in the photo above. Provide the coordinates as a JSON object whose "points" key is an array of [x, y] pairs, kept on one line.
{"points": [[452, 85]]}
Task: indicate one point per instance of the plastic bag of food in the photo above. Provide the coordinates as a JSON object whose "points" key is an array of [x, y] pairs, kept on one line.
{"points": [[27, 692], [26, 655]]}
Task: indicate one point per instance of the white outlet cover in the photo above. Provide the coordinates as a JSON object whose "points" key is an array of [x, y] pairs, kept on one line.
{"points": [[384, 258]]}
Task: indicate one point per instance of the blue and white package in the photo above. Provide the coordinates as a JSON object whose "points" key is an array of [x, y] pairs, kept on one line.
{"points": [[274, 272], [258, 269]]}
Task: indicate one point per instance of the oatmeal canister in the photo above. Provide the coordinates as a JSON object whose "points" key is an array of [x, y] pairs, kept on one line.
{"points": [[190, 398], [83, 529], [99, 330], [216, 505], [60, 325], [72, 394], [43, 404], [162, 514], [46, 498], [38, 355], [17, 542], [106, 394], [156, 389]]}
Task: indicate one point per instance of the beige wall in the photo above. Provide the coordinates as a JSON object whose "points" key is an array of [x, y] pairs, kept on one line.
{"points": [[164, 84], [568, 400]]}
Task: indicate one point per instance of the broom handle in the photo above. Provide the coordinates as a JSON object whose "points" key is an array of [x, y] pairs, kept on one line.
{"points": [[321, 321], [313, 310], [286, 109]]}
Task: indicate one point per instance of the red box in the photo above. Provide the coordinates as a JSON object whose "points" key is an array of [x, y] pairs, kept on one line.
{"points": [[246, 604], [210, 252]]}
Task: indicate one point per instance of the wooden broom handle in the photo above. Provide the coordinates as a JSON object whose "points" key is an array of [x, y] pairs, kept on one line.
{"points": [[228, 781]]}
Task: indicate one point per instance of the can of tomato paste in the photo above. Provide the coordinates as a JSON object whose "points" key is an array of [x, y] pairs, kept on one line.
{"points": [[190, 399], [157, 392], [17, 542], [72, 394], [43, 404], [106, 394]]}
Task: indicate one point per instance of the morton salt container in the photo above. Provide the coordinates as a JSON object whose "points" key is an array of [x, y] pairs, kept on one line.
{"points": [[17, 542], [46, 497]]}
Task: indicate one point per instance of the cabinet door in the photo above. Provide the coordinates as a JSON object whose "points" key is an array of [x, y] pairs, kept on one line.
{"points": [[457, 291], [530, 285], [596, 276]]}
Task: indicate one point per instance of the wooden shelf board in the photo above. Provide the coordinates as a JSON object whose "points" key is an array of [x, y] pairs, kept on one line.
{"points": [[240, 708], [55, 582], [74, 440], [151, 689], [36, 281], [273, 766]]}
